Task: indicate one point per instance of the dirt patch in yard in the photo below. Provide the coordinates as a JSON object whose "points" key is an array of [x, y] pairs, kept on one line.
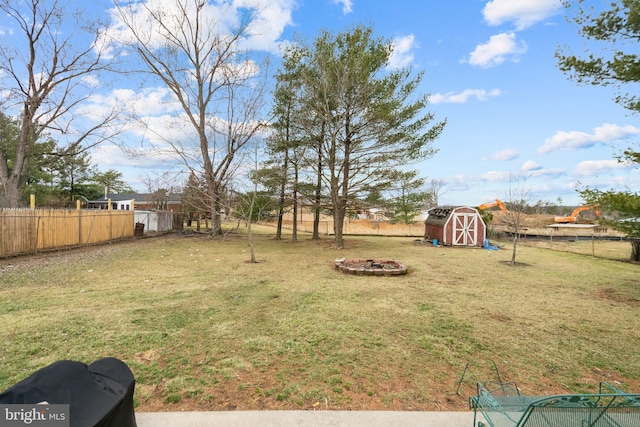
{"points": [[614, 297], [253, 391]]}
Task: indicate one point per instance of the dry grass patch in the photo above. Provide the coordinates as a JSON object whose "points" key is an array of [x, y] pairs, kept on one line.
{"points": [[607, 249], [202, 329]]}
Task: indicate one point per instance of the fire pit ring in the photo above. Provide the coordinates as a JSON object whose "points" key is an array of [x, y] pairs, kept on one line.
{"points": [[371, 267]]}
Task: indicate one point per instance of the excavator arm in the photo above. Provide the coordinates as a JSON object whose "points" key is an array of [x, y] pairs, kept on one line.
{"points": [[576, 212], [492, 204]]}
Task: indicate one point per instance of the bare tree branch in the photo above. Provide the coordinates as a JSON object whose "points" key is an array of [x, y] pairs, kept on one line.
{"points": [[47, 70], [214, 84]]}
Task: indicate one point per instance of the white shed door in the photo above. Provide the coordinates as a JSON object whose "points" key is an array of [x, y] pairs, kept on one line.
{"points": [[465, 229]]}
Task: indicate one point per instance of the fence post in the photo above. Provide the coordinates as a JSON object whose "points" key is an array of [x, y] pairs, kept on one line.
{"points": [[133, 209], [32, 201]]}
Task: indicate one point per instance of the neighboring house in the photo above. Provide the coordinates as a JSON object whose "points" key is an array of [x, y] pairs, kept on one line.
{"points": [[156, 215], [125, 201]]}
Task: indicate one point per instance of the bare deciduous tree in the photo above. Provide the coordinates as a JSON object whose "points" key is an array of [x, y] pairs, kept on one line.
{"points": [[435, 191], [196, 53], [518, 201], [49, 68]]}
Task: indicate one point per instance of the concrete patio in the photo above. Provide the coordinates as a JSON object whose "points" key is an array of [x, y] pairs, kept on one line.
{"points": [[305, 419]]}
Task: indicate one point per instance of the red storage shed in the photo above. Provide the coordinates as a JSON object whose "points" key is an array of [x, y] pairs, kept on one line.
{"points": [[455, 226]]}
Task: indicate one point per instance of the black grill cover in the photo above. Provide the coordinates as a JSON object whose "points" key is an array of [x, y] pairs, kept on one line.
{"points": [[99, 395]]}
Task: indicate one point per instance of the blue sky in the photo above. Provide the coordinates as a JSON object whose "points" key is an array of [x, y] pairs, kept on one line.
{"points": [[515, 122]]}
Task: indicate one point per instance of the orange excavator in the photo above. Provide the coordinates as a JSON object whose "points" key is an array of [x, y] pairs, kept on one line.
{"points": [[492, 204], [573, 217]]}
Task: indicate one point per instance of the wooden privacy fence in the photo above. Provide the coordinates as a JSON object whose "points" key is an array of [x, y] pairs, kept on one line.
{"points": [[24, 231]]}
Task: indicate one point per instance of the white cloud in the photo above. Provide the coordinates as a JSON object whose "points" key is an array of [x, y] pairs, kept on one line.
{"points": [[402, 54], [91, 81], [499, 48], [530, 165], [543, 173], [163, 130], [575, 140], [523, 13], [148, 101], [457, 182], [109, 156], [538, 182], [134, 164], [463, 97], [268, 22], [496, 176], [347, 5], [504, 155], [596, 167], [528, 171]]}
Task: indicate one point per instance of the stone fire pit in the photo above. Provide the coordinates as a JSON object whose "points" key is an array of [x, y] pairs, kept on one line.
{"points": [[371, 267]]}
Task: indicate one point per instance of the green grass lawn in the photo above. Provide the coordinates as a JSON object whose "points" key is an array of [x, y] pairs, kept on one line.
{"points": [[204, 329]]}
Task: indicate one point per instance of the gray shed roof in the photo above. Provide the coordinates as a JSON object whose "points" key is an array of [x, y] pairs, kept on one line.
{"points": [[439, 215]]}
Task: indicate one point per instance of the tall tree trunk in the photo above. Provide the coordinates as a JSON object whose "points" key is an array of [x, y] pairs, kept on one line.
{"points": [[11, 193], [280, 214], [282, 195], [294, 223], [342, 191], [635, 249], [316, 214], [252, 249], [15, 182], [216, 219], [316, 210], [294, 227], [338, 224], [216, 208]]}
